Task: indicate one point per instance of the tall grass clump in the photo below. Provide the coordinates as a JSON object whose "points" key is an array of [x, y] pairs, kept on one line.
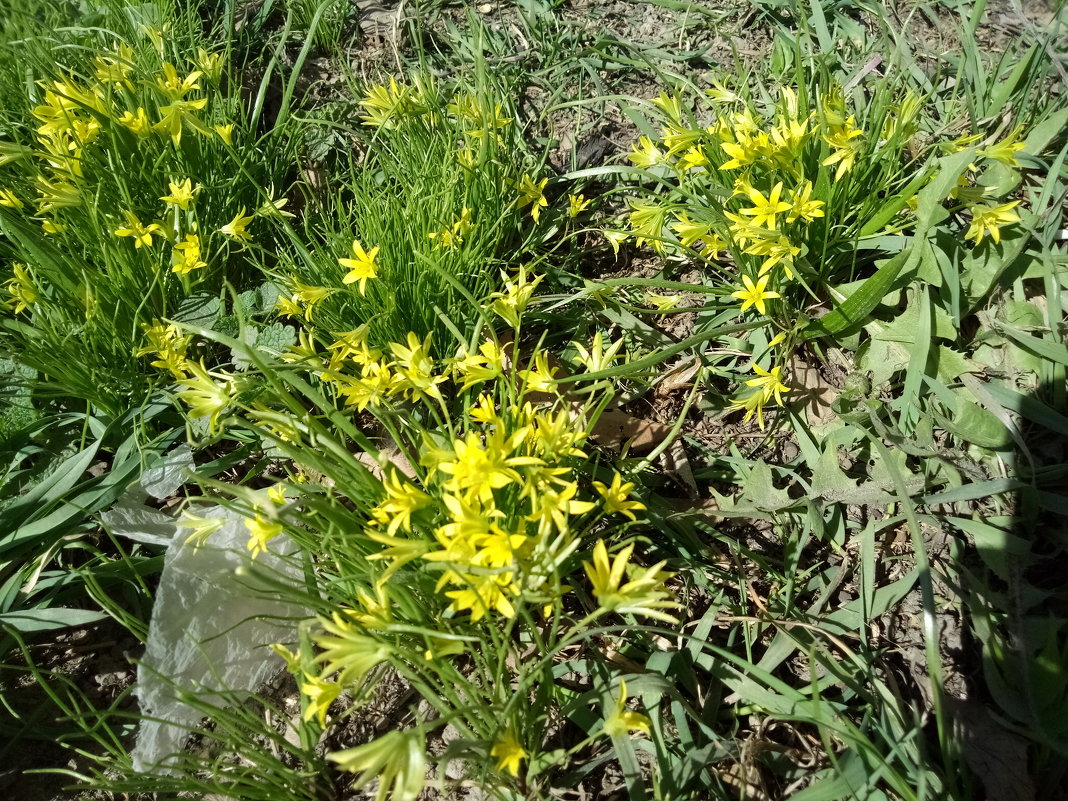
{"points": [[121, 199], [431, 204]]}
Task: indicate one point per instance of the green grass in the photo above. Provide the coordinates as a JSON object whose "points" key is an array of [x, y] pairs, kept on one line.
{"points": [[644, 472]]}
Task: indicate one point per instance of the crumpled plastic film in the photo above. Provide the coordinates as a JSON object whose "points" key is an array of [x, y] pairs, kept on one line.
{"points": [[209, 632]]}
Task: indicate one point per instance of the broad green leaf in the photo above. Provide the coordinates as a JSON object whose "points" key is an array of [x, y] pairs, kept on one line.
{"points": [[994, 544], [49, 619], [1044, 133], [905, 325], [972, 423], [858, 306], [1054, 351]]}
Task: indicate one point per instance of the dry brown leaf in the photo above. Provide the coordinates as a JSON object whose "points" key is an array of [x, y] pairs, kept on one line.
{"points": [[678, 377]]}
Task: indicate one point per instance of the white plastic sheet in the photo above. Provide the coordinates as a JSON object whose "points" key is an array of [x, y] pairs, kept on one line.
{"points": [[209, 632], [210, 627]]}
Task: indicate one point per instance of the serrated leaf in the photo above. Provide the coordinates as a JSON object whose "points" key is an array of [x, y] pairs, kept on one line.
{"points": [[272, 339], [904, 326], [275, 338], [883, 360], [951, 364], [760, 491]]}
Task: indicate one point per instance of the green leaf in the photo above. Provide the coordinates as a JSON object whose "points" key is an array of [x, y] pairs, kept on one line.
{"points": [[857, 308], [972, 423], [1043, 133], [49, 619], [1053, 351], [200, 309], [905, 325], [993, 543]]}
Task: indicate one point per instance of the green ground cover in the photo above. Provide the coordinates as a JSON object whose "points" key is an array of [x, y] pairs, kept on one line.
{"points": [[533, 400]]}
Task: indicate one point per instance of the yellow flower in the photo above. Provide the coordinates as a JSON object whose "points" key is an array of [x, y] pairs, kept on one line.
{"points": [[481, 468], [988, 219], [770, 382], [622, 720], [236, 228], [168, 344], [693, 158], [511, 303], [646, 154], [671, 105], [403, 499], [10, 199], [662, 302], [415, 369], [142, 234], [648, 221], [803, 206], [753, 404], [719, 94], [174, 87], [764, 210], [775, 249], [1005, 151], [226, 133], [136, 121], [311, 297], [485, 365], [532, 194], [690, 231], [260, 532], [321, 694], [616, 497], [21, 288], [201, 527], [386, 105], [210, 64], [375, 384], [541, 378], [842, 138], [175, 116], [397, 759], [289, 307], [207, 394], [597, 358], [508, 752], [615, 239], [56, 194], [180, 193], [645, 594], [362, 267], [754, 294], [345, 650], [187, 255], [115, 67], [576, 204]]}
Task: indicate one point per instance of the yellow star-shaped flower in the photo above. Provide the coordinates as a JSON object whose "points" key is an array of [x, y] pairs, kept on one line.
{"points": [[754, 294]]}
